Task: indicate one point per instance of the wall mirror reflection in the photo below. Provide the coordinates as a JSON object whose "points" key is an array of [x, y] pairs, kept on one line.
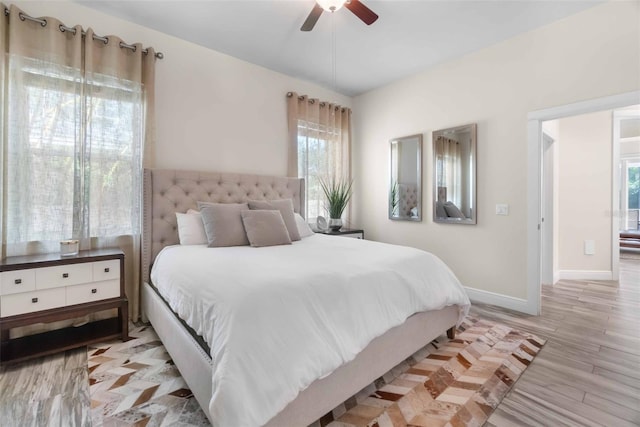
{"points": [[405, 193], [454, 183]]}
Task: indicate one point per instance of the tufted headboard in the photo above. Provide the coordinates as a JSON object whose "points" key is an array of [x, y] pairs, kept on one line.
{"points": [[166, 192], [408, 198]]}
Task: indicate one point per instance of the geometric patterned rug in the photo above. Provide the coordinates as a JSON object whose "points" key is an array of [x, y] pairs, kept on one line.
{"points": [[135, 383], [455, 382], [446, 383]]}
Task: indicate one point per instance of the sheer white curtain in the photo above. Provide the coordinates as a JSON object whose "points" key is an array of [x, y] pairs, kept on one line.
{"points": [[319, 147], [77, 123], [449, 170]]}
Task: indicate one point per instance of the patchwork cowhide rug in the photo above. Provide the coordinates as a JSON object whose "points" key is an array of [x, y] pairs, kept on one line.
{"points": [[447, 383]]}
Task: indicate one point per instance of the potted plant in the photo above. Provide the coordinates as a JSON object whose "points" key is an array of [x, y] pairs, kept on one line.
{"points": [[338, 193], [394, 198]]}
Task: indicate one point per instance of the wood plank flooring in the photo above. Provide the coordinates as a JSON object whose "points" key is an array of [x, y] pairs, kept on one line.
{"points": [[588, 373], [47, 391]]}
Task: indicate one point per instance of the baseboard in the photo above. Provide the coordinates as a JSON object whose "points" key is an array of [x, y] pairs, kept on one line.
{"points": [[556, 277], [505, 301], [585, 275]]}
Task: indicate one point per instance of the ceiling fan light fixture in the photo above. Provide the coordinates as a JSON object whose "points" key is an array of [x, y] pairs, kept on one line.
{"points": [[331, 5]]}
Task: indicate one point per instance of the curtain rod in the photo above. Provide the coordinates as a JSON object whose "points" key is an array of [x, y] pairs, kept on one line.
{"points": [[63, 28], [313, 101]]}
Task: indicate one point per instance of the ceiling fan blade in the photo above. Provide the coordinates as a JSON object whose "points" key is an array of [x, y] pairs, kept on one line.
{"points": [[361, 11], [312, 18]]}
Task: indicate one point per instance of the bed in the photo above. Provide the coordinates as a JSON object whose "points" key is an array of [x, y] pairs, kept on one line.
{"points": [[169, 191]]}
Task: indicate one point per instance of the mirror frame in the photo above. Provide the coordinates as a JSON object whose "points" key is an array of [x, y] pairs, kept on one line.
{"points": [[473, 173], [419, 178]]}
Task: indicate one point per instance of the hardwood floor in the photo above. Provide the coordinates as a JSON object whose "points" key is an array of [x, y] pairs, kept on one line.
{"points": [[50, 391], [588, 373]]}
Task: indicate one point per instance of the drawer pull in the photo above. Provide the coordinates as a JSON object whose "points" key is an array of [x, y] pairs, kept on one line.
{"points": [[94, 291], [34, 300], [18, 281], [65, 275], [106, 270]]}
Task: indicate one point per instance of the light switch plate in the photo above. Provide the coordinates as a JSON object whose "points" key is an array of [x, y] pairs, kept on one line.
{"points": [[589, 247], [502, 209]]}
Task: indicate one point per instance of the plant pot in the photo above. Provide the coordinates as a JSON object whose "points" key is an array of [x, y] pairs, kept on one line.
{"points": [[335, 224]]}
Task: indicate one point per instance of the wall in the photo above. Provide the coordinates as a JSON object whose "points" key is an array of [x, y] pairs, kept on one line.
{"points": [[592, 54], [584, 184], [213, 112]]}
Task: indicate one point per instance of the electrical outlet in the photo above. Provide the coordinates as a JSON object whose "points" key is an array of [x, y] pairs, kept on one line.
{"points": [[502, 209], [589, 247]]}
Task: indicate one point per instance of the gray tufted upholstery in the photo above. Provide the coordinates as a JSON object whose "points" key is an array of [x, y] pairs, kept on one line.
{"points": [[169, 191], [408, 199]]}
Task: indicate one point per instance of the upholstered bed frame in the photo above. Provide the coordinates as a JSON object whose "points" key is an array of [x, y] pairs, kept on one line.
{"points": [[169, 191]]}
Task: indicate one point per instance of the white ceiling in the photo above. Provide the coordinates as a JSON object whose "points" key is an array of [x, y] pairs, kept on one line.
{"points": [[409, 36]]}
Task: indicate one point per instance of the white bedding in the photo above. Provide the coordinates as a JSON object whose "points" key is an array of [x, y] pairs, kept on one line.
{"points": [[278, 318]]}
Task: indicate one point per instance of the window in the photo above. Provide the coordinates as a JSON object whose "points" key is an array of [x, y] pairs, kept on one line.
{"points": [[631, 194], [73, 154], [319, 147], [316, 153]]}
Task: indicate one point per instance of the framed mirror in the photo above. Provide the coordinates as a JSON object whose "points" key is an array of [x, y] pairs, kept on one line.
{"points": [[405, 192], [454, 175]]}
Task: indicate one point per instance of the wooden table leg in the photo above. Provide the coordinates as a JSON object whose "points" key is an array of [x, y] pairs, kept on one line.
{"points": [[123, 318]]}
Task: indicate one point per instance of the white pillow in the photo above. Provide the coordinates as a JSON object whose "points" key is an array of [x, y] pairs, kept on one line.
{"points": [[303, 227], [191, 228]]}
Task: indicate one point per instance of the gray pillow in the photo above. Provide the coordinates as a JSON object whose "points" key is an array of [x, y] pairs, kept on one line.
{"points": [[265, 228], [223, 224], [453, 211], [285, 207]]}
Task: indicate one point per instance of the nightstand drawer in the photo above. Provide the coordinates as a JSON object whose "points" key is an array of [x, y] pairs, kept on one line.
{"points": [[63, 275], [106, 270], [28, 302], [93, 292], [12, 282]]}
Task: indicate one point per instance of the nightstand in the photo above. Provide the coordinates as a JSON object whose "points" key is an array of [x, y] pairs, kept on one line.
{"points": [[345, 232], [48, 288]]}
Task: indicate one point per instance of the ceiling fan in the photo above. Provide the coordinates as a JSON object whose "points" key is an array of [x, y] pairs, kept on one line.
{"points": [[360, 10]]}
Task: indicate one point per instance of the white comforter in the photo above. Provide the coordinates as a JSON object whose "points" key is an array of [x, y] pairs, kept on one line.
{"points": [[279, 318]]}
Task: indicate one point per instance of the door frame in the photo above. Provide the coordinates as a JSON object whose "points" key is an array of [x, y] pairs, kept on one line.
{"points": [[534, 180], [548, 272]]}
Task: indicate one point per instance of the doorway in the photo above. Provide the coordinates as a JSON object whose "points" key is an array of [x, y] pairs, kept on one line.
{"points": [[628, 137], [537, 256]]}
